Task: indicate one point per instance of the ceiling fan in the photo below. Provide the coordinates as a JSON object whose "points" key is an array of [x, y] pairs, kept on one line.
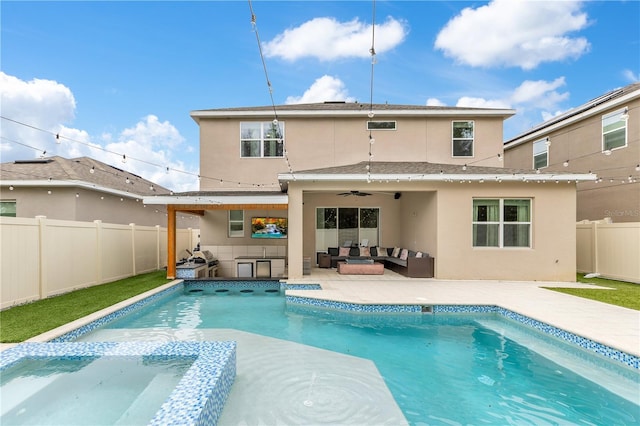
{"points": [[356, 193]]}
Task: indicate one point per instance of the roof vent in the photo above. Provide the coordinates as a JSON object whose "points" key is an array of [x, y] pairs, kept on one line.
{"points": [[34, 161]]}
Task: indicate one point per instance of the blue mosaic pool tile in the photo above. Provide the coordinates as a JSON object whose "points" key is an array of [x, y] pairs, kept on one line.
{"points": [[289, 286], [354, 307], [201, 393], [233, 284]]}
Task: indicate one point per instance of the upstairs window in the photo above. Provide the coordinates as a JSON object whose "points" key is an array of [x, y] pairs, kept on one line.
{"points": [[381, 125], [614, 130], [261, 139], [462, 141], [502, 223], [541, 153]]}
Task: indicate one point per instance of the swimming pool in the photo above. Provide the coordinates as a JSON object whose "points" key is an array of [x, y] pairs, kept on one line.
{"points": [[442, 368]]}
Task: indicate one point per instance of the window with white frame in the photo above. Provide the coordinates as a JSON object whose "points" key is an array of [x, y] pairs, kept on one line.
{"points": [[261, 139], [236, 223], [381, 125], [502, 222], [614, 130], [462, 138], [541, 153]]}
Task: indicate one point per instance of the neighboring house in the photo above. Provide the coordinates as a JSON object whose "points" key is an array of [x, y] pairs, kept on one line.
{"points": [[602, 137], [81, 189], [427, 179]]}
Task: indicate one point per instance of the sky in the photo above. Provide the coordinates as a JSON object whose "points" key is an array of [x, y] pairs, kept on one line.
{"points": [[117, 80]]}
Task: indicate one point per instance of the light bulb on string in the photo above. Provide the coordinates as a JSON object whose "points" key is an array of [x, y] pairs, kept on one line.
{"points": [[57, 138], [566, 163], [124, 158], [92, 170]]}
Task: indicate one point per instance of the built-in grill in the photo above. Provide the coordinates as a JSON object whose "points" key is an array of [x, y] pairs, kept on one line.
{"points": [[205, 256]]}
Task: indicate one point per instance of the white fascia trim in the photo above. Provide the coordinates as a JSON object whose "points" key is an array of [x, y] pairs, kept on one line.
{"points": [[68, 184], [351, 113], [217, 199], [588, 111], [444, 177]]}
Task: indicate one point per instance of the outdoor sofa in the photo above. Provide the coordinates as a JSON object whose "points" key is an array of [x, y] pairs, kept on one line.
{"points": [[403, 261]]}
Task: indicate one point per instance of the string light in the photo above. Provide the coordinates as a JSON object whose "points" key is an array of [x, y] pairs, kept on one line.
{"points": [[124, 158]]}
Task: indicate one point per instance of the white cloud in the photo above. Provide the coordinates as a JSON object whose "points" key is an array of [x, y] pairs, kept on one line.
{"points": [[470, 102], [42, 106], [325, 88], [515, 33], [630, 76], [327, 39], [435, 102], [542, 94]]}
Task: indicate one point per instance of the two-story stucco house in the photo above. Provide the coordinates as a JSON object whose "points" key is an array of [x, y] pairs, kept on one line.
{"points": [[428, 179], [601, 136]]}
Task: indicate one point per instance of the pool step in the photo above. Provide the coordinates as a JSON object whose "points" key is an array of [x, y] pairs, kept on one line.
{"points": [[155, 390]]}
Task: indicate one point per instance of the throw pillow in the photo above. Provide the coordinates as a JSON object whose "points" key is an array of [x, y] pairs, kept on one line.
{"points": [[382, 251], [419, 254], [364, 251], [404, 254], [396, 252], [344, 251], [373, 251]]}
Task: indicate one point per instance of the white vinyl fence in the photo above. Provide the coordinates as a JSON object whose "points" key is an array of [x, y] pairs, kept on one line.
{"points": [[42, 257], [609, 249]]}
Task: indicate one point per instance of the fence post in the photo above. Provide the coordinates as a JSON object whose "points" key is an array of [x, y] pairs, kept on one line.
{"points": [[157, 247], [98, 224], [133, 248], [42, 279], [594, 248]]}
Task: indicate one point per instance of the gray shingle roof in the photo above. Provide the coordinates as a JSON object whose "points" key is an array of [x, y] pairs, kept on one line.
{"points": [[342, 106], [79, 169], [412, 168]]}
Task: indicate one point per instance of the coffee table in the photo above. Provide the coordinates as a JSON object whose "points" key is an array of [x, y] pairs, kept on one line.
{"points": [[375, 268]]}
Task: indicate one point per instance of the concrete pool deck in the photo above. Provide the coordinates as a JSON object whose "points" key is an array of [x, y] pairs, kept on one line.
{"points": [[610, 325]]}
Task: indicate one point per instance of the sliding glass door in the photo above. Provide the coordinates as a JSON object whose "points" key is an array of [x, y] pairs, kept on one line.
{"points": [[337, 226]]}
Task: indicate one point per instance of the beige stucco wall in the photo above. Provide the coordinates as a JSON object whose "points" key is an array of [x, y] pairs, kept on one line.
{"points": [[551, 257], [324, 142]]}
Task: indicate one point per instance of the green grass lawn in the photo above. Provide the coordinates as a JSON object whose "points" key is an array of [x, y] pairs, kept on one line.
{"points": [[622, 293], [25, 321]]}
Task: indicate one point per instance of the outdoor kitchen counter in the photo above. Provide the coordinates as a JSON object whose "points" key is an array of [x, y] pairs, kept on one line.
{"points": [[191, 270], [277, 265]]}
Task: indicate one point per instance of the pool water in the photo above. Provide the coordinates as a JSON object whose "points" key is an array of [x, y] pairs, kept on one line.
{"points": [[440, 369], [100, 390]]}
